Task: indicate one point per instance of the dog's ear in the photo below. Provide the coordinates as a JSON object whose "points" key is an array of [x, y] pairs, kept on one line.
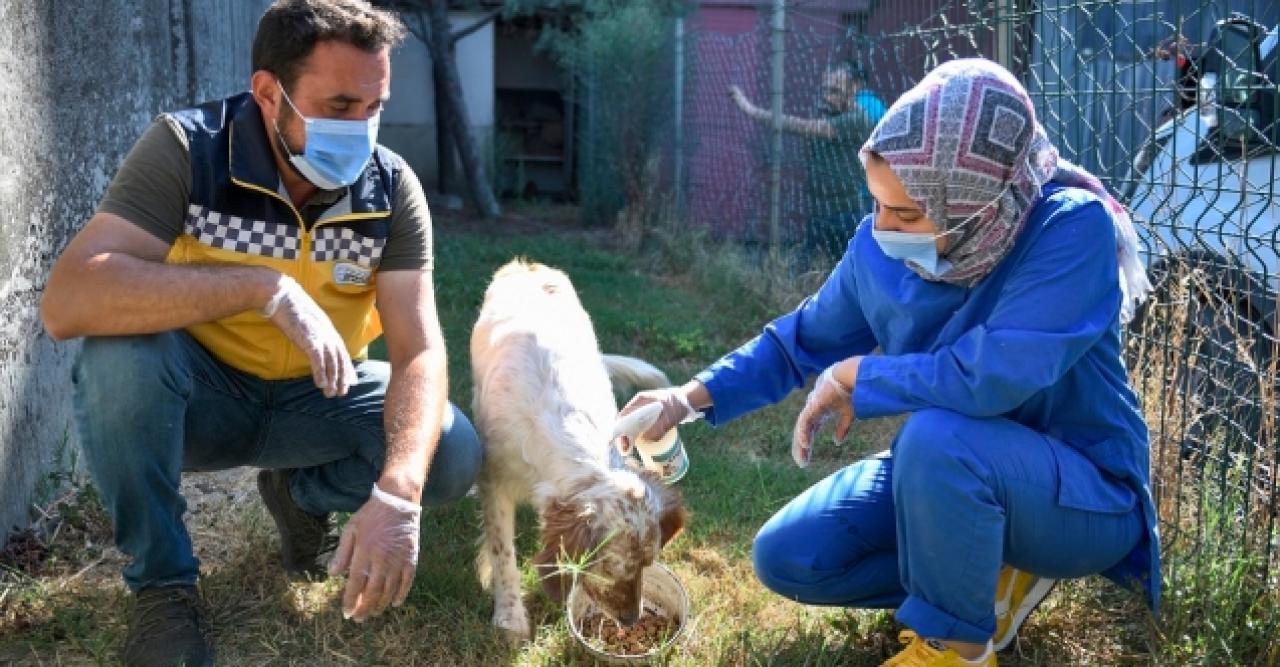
{"points": [[568, 532], [674, 516]]}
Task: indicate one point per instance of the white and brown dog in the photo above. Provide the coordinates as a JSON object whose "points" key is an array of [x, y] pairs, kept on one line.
{"points": [[544, 406]]}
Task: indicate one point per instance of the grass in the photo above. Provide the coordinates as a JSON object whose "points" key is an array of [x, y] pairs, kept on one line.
{"points": [[680, 307]]}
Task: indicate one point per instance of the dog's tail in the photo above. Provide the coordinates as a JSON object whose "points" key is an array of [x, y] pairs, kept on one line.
{"points": [[629, 375]]}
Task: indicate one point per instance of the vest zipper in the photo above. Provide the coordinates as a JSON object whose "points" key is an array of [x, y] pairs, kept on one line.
{"points": [[304, 245], [303, 249]]}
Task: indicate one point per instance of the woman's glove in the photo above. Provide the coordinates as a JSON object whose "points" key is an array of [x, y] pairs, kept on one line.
{"points": [[296, 314], [828, 399], [676, 410], [379, 552]]}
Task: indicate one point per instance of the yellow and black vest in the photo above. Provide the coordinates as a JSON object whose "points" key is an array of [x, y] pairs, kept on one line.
{"points": [[237, 215]]}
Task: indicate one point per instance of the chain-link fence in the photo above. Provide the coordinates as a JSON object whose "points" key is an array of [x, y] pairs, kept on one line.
{"points": [[1174, 103]]}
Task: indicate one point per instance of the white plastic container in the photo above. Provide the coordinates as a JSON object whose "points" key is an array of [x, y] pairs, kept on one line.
{"points": [[665, 456]]}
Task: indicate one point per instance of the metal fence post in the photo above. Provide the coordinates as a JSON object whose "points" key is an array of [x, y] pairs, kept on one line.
{"points": [[678, 158], [775, 156], [1006, 15]]}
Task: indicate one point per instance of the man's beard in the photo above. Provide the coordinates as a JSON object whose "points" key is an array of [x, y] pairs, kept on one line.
{"points": [[287, 151]]}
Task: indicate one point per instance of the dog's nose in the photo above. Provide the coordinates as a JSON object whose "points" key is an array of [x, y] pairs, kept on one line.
{"points": [[629, 617]]}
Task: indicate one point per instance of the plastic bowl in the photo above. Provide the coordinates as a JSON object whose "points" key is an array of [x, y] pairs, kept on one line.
{"points": [[663, 594]]}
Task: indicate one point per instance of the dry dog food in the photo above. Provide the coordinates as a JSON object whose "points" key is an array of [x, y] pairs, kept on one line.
{"points": [[650, 632]]}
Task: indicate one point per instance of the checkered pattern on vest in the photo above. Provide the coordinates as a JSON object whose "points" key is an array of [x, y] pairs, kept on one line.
{"points": [[343, 244], [230, 232]]}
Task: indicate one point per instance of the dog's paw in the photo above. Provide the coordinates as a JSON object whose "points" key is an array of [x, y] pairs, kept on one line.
{"points": [[513, 622]]}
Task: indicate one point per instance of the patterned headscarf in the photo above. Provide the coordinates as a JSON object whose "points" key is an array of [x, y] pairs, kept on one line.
{"points": [[967, 147]]}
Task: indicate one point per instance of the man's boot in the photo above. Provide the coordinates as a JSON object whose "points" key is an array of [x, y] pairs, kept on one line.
{"points": [[305, 539], [167, 630]]}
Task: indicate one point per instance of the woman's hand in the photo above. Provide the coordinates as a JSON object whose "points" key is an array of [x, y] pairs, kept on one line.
{"points": [[832, 396], [677, 407]]}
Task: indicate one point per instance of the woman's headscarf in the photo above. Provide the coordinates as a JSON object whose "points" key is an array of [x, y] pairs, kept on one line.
{"points": [[966, 145]]}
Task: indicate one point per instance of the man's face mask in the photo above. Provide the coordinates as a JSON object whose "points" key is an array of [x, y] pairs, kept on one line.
{"points": [[922, 247], [335, 152]]}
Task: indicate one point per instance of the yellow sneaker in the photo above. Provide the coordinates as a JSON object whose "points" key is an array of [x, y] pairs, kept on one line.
{"points": [[1018, 593], [921, 652]]}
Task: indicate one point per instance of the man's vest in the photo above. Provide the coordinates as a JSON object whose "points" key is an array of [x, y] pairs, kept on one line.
{"points": [[237, 215]]}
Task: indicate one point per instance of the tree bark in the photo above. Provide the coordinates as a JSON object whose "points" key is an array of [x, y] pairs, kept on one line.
{"points": [[448, 87], [445, 164]]}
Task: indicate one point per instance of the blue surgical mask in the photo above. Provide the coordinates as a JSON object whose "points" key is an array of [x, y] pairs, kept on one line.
{"points": [[918, 247], [336, 151], [922, 247]]}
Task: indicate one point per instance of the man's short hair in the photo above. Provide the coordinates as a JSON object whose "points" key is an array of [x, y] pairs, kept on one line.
{"points": [[852, 69], [290, 29]]}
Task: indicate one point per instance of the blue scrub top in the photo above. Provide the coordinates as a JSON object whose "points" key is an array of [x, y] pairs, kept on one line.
{"points": [[1037, 341]]}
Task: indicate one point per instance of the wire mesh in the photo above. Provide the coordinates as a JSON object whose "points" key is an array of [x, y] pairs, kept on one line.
{"points": [[1175, 104]]}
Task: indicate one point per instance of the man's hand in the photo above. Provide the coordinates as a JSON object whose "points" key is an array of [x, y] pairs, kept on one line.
{"points": [[676, 409], [1175, 45], [831, 397], [739, 98], [297, 315], [379, 552]]}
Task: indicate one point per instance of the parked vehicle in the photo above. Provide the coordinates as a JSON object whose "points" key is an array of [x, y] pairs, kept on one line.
{"points": [[1206, 195]]}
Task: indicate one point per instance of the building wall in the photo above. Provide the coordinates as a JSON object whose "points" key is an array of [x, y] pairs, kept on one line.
{"points": [[521, 66], [726, 172], [409, 121], [81, 86], [725, 48]]}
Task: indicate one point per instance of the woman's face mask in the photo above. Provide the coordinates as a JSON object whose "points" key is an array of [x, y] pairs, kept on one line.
{"points": [[918, 247], [922, 247], [335, 152]]}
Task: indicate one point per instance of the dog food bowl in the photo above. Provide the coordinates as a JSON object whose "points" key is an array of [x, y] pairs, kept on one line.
{"points": [[664, 597]]}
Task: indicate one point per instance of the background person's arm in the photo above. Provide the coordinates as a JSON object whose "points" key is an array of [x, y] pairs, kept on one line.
{"points": [[810, 127]]}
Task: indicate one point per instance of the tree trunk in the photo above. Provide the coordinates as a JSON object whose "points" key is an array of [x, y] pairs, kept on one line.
{"points": [[448, 88], [445, 164]]}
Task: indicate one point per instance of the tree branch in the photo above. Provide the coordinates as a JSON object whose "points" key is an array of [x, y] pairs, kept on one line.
{"points": [[480, 23]]}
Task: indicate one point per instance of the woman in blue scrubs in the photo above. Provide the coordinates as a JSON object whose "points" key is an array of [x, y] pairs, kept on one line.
{"points": [[994, 278]]}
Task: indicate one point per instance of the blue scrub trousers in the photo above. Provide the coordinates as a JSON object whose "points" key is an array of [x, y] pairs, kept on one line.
{"points": [[150, 407], [925, 527]]}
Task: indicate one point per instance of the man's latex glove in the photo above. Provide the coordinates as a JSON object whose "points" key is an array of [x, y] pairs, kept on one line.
{"points": [[828, 399], [379, 552], [676, 410], [296, 314]]}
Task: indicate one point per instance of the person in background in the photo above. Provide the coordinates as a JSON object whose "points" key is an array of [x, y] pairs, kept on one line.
{"points": [[227, 288], [835, 185], [994, 278]]}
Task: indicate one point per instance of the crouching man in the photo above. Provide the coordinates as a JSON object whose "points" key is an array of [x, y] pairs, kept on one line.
{"points": [[243, 258]]}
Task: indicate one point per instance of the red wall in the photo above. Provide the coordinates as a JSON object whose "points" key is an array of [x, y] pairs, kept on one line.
{"points": [[727, 155]]}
